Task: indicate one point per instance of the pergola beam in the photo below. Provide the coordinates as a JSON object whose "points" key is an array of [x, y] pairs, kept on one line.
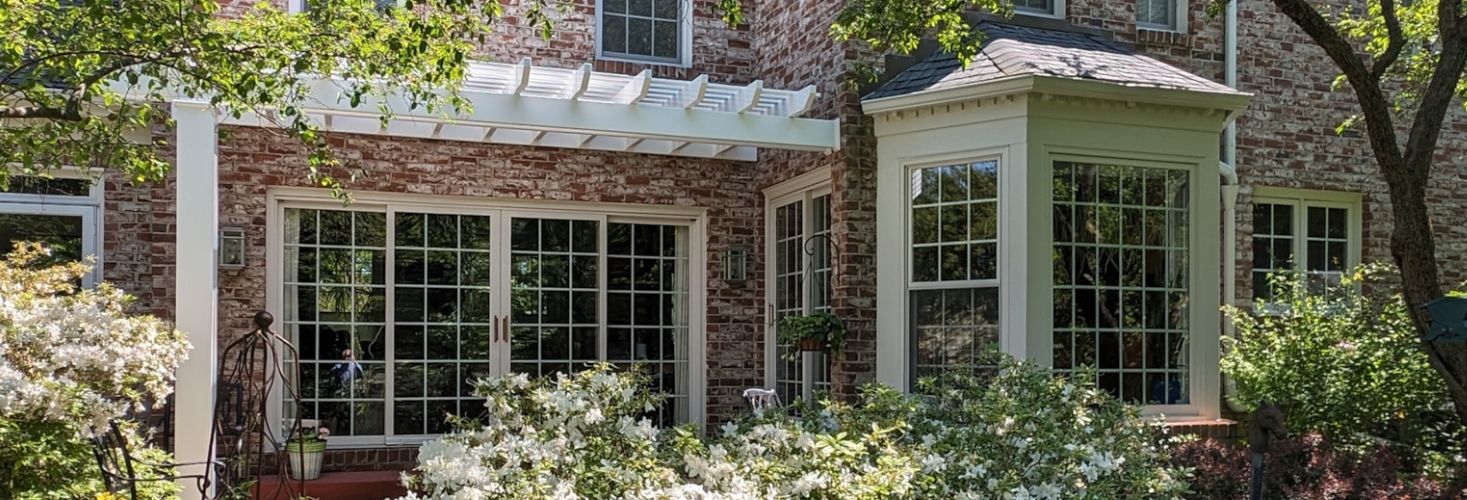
{"points": [[535, 114]]}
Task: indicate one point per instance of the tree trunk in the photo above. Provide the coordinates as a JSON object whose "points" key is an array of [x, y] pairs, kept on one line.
{"points": [[1413, 247]]}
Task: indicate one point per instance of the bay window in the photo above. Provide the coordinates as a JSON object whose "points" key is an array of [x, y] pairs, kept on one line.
{"points": [[1121, 278], [397, 308]]}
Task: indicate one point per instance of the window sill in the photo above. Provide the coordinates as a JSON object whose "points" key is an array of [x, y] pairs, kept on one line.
{"points": [[606, 58], [1161, 36]]}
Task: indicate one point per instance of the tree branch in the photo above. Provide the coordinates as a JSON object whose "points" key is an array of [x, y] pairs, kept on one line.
{"points": [[39, 112], [1395, 40], [1379, 124], [1431, 111]]}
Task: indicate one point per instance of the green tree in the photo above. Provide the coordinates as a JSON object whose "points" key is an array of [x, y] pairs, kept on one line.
{"points": [[79, 78], [82, 80], [1403, 61]]}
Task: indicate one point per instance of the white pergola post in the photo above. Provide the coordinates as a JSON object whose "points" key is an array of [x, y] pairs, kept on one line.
{"points": [[196, 286]]}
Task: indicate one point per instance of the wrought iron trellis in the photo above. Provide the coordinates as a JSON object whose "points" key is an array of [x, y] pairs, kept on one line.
{"points": [[251, 368]]}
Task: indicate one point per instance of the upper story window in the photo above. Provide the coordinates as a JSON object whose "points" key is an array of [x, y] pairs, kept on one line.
{"points": [[1322, 227], [1164, 15], [646, 31], [1048, 8]]}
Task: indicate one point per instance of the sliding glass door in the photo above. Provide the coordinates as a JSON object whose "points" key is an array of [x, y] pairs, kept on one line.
{"points": [[397, 309]]}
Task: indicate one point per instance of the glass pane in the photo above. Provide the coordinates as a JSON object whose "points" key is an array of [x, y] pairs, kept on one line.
{"points": [[340, 329], [26, 184], [639, 36], [1129, 280], [614, 37], [666, 9], [551, 298], [953, 329], [647, 324], [61, 234], [665, 35]]}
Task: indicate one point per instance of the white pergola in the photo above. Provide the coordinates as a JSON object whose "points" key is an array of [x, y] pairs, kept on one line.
{"points": [[526, 105], [512, 104]]}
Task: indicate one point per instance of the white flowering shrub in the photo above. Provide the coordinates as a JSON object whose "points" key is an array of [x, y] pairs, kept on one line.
{"points": [[1017, 433], [70, 360], [75, 354]]}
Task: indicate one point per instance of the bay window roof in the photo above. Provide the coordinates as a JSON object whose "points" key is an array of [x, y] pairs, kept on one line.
{"points": [[1011, 51]]}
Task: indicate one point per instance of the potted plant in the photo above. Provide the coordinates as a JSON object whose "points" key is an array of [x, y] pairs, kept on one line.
{"points": [[305, 448], [815, 332]]}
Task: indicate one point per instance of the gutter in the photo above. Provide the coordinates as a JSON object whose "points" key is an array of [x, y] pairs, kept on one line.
{"points": [[1230, 185]]}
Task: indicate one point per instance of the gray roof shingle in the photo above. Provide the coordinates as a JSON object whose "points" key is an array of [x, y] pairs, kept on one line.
{"points": [[1019, 50]]}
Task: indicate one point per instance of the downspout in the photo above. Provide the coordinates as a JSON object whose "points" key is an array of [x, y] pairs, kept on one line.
{"points": [[1229, 172]]}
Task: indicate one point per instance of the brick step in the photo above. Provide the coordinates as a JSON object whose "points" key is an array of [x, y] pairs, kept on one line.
{"points": [[365, 485]]}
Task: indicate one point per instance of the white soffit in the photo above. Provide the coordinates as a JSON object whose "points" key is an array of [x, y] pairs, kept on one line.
{"points": [[523, 104]]}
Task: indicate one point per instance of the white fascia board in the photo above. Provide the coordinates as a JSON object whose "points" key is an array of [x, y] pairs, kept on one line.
{"points": [[597, 118]]}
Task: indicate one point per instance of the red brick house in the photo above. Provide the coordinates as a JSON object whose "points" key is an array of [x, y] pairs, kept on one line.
{"points": [[652, 186]]}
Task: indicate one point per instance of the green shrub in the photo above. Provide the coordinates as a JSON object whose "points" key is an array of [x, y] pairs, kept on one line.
{"points": [[1345, 363]]}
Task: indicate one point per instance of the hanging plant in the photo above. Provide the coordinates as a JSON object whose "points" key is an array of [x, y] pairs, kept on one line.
{"points": [[815, 332]]}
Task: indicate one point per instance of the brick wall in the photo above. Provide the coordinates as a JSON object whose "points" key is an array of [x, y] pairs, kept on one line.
{"points": [[724, 53], [795, 50]]}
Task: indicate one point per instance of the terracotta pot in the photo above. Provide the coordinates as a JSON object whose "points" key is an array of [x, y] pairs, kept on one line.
{"points": [[810, 344]]}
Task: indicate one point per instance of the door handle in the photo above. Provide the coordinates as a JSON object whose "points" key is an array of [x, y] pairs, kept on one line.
{"points": [[505, 329]]}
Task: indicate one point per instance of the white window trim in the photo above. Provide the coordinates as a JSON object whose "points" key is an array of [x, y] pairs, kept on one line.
{"points": [[1301, 200], [696, 219], [88, 207], [802, 188], [685, 41], [1057, 10], [1178, 22]]}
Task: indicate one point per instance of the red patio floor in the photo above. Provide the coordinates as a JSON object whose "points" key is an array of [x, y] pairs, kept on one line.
{"points": [[368, 485]]}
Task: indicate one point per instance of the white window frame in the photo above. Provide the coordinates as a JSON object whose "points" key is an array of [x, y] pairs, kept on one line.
{"points": [[1177, 24], [685, 40], [88, 207], [695, 219], [1302, 200], [1057, 10], [803, 188]]}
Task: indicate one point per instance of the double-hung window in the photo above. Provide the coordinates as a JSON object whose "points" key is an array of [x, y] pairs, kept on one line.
{"points": [[1165, 15], [645, 31], [397, 308], [60, 213], [1045, 8], [1314, 233], [798, 232], [952, 249]]}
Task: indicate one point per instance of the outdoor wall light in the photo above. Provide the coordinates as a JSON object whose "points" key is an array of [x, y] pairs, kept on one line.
{"points": [[231, 248], [736, 265]]}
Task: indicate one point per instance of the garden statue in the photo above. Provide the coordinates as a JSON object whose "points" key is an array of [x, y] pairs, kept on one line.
{"points": [[1267, 423]]}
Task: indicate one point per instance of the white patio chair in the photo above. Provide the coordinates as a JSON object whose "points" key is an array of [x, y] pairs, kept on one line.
{"points": [[762, 399]]}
